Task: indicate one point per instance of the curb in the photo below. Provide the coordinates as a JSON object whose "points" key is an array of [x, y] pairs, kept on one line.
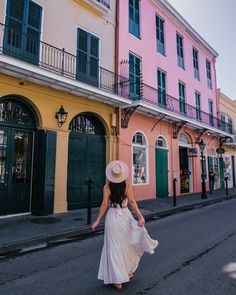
{"points": [[83, 232]]}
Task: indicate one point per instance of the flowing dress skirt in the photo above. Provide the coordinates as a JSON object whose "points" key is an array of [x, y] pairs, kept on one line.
{"points": [[124, 244]]}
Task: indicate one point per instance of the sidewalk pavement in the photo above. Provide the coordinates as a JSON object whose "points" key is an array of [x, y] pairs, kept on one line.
{"points": [[24, 233]]}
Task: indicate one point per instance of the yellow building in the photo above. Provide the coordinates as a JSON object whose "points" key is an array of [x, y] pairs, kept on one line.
{"points": [[56, 62], [227, 108]]}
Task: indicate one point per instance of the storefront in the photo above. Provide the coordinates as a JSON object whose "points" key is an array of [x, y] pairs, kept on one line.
{"points": [[44, 166], [185, 164]]}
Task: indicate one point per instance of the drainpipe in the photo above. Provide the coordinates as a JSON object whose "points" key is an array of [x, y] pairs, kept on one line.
{"points": [[117, 109]]}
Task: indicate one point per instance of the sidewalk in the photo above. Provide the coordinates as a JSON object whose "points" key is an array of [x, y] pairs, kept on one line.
{"points": [[27, 232]]}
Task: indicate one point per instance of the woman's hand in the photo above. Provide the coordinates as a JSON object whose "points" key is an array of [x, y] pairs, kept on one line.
{"points": [[141, 222], [94, 225]]}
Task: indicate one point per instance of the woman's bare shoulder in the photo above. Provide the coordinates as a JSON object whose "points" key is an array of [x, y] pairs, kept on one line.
{"points": [[128, 190], [106, 188]]}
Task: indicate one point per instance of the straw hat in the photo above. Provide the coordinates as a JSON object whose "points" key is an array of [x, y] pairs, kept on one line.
{"points": [[117, 171]]}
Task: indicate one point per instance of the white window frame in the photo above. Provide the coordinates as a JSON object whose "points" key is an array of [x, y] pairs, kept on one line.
{"points": [[147, 158]]}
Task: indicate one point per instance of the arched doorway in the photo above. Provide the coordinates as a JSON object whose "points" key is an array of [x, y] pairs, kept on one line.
{"points": [[86, 158], [213, 163], [18, 123], [185, 164], [161, 167]]}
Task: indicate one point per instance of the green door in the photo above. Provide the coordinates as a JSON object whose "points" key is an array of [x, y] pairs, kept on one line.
{"points": [[86, 158], [15, 170], [161, 172], [222, 179], [76, 171]]}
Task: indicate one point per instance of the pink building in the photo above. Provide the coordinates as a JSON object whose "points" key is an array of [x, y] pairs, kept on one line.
{"points": [[174, 100]]}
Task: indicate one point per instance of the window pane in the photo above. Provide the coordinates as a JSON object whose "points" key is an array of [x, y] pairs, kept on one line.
{"points": [[32, 41], [20, 157], [34, 15], [14, 36], [94, 46], [139, 165], [3, 156], [83, 40], [17, 9]]}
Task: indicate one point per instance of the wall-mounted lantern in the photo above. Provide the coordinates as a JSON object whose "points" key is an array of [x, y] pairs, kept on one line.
{"points": [[61, 116]]}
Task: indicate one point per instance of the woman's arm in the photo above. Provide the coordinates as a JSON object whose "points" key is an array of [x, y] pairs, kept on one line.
{"points": [[103, 207], [134, 206]]}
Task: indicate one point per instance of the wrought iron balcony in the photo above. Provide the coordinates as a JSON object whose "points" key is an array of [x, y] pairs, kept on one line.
{"points": [[30, 49], [162, 100], [104, 2]]}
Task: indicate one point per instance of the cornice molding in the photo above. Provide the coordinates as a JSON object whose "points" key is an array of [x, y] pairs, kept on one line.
{"points": [[173, 13]]}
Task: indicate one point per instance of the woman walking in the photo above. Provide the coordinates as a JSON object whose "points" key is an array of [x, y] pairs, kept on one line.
{"points": [[125, 239]]}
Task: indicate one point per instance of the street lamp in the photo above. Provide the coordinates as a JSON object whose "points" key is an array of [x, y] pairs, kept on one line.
{"points": [[202, 146]]}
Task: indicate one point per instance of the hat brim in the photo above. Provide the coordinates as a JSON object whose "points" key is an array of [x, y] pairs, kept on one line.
{"points": [[120, 178]]}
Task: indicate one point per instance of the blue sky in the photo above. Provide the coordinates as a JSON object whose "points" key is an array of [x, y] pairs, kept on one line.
{"points": [[215, 21]]}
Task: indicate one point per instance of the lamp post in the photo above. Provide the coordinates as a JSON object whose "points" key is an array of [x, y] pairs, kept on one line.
{"points": [[202, 146]]}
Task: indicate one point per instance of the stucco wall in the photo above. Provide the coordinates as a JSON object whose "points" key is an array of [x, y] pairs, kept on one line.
{"points": [[60, 20], [145, 48], [46, 103], [145, 125], [228, 106]]}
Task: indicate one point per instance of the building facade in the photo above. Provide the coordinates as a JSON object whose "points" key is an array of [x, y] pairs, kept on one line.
{"points": [[172, 82], [227, 108], [97, 81], [54, 61]]}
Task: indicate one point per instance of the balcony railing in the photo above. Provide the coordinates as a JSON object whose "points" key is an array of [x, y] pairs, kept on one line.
{"points": [[106, 3], [31, 50], [164, 101]]}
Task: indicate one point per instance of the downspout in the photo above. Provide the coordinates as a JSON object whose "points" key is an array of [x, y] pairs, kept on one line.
{"points": [[117, 109], [216, 90]]}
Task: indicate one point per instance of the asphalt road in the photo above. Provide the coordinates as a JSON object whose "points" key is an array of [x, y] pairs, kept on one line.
{"points": [[196, 256]]}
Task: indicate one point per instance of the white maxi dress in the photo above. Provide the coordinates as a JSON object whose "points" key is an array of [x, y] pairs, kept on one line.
{"points": [[124, 244]]}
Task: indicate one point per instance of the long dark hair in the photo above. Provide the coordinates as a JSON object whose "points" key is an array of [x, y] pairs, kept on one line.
{"points": [[117, 194]]}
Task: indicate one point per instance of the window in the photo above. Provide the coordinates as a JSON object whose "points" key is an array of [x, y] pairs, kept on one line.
{"points": [[139, 151], [208, 72], [230, 125], [182, 98], [222, 122], [22, 33], [87, 57], [180, 51], [184, 139], [134, 22], [195, 64], [161, 142], [210, 109], [160, 35], [198, 105], [161, 80], [134, 76]]}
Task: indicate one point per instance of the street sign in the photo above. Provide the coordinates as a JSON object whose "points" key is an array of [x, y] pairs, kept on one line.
{"points": [[220, 150], [192, 152]]}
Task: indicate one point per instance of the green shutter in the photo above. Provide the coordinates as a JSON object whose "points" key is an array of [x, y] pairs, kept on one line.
{"points": [[44, 172], [222, 178], [161, 172], [87, 57], [22, 33], [134, 23]]}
